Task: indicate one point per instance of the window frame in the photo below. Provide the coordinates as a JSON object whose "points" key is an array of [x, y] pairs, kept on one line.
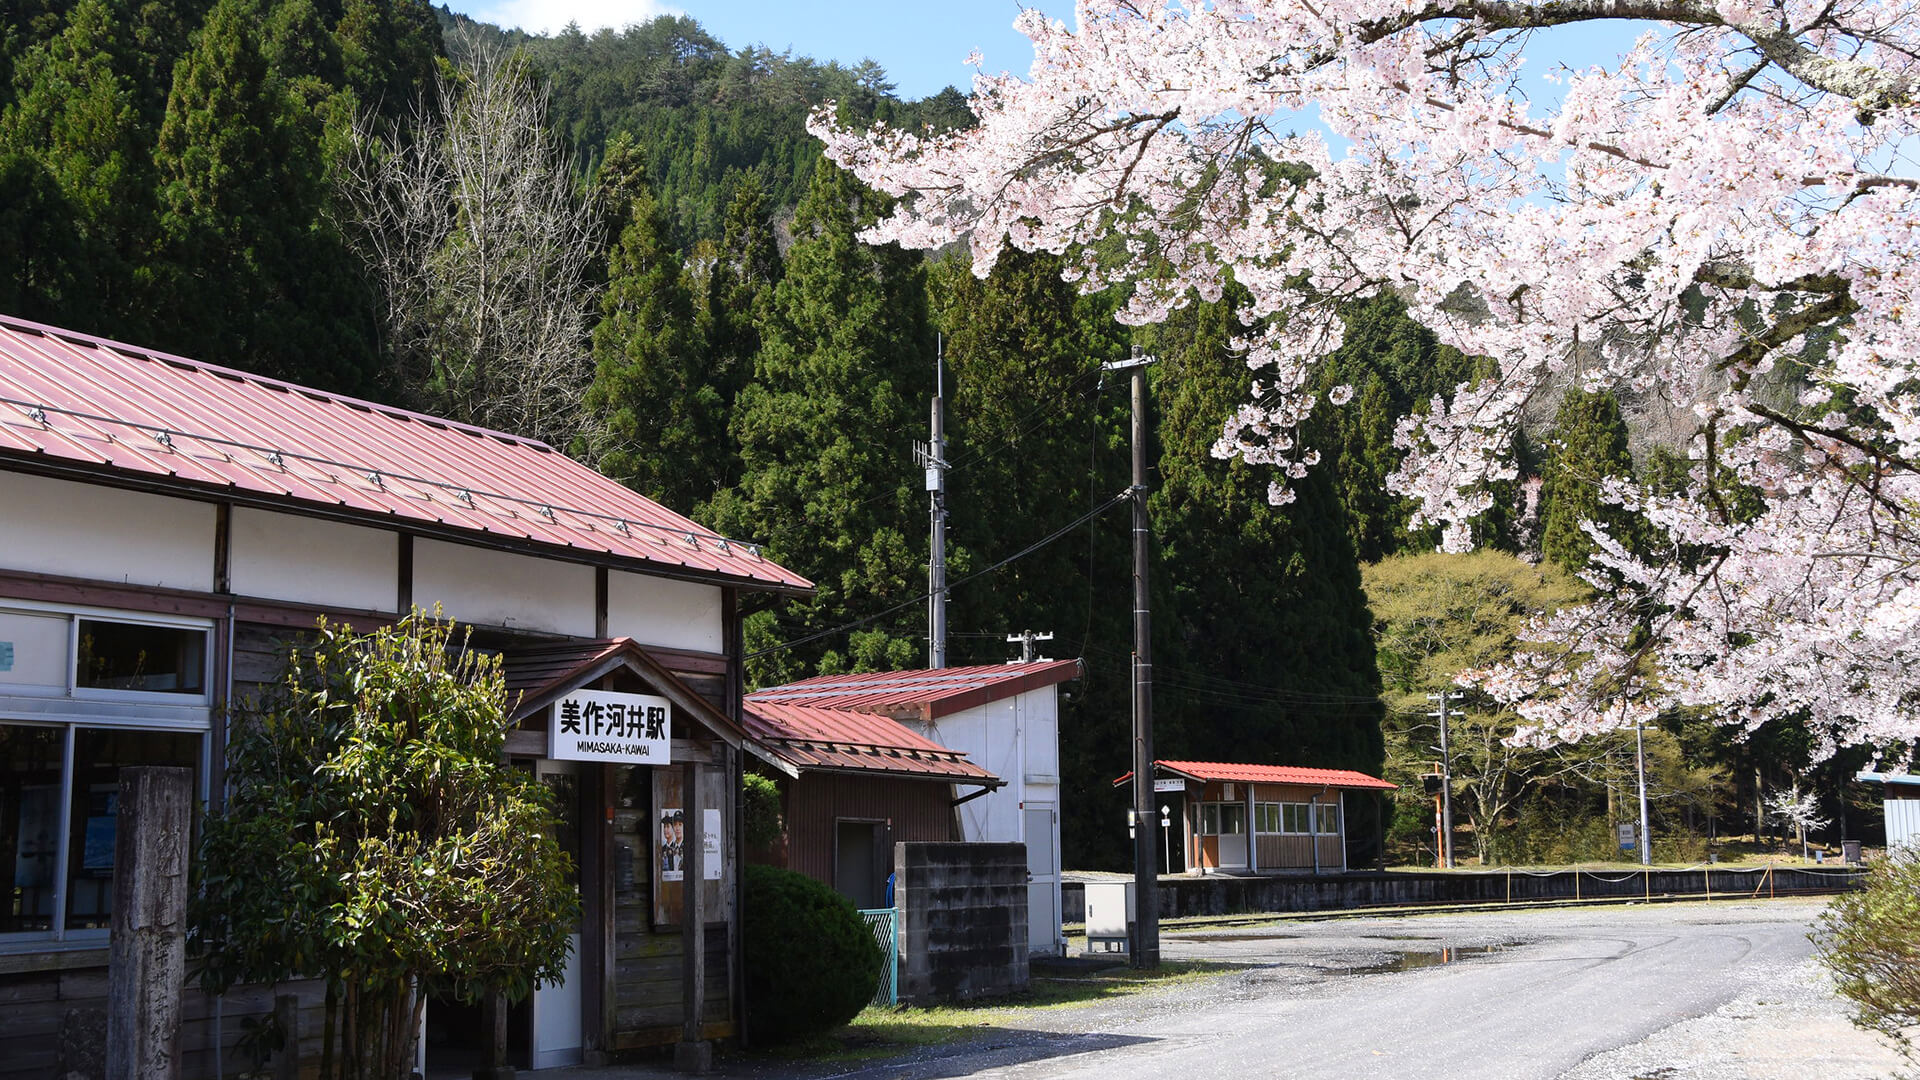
{"points": [[59, 936], [72, 707]]}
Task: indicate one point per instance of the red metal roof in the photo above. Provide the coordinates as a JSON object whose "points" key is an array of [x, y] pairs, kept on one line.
{"points": [[77, 404], [928, 694], [1298, 776], [807, 738]]}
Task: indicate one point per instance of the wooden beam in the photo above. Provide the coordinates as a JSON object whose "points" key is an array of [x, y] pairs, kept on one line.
{"points": [[223, 548], [600, 602], [693, 1054], [403, 586]]}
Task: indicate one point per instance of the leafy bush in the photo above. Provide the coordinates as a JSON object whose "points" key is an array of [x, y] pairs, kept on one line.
{"points": [[761, 821], [1870, 939], [374, 837], [811, 962]]}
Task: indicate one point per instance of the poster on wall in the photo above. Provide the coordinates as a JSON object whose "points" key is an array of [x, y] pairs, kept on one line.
{"points": [[711, 860], [673, 847]]}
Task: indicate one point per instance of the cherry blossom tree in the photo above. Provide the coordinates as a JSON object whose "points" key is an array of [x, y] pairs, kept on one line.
{"points": [[1723, 219]]}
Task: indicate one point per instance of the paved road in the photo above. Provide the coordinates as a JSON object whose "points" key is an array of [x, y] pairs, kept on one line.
{"points": [[1665, 992]]}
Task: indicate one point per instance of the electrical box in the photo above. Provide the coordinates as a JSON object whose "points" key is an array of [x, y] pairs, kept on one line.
{"points": [[1431, 782], [1109, 916]]}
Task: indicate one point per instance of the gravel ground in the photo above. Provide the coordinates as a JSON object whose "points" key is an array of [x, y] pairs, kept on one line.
{"points": [[1727, 991]]}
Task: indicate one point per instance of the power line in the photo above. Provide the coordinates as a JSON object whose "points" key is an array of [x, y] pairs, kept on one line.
{"points": [[1021, 554]]}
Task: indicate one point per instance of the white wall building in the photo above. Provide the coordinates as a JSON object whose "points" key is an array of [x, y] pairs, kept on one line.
{"points": [[1005, 718]]}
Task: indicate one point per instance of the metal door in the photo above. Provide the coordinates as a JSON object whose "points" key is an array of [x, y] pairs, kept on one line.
{"points": [[1043, 881]]}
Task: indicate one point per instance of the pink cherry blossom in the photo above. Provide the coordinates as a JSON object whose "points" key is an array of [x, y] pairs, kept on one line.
{"points": [[1722, 220]]}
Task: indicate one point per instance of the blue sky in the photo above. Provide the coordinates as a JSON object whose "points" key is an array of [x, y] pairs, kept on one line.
{"points": [[922, 45]]}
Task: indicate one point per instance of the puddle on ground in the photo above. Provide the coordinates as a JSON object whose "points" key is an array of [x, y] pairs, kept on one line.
{"points": [[1411, 959], [1234, 937]]}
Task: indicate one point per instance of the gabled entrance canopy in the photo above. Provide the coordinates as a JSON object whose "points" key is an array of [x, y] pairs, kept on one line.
{"points": [[539, 675]]}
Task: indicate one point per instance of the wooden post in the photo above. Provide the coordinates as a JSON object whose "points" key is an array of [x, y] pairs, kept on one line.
{"points": [[147, 954], [494, 1012], [694, 1054], [286, 1060]]}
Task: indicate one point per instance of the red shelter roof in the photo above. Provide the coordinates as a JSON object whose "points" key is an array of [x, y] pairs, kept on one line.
{"points": [[925, 694], [801, 738], [1295, 775], [87, 408]]}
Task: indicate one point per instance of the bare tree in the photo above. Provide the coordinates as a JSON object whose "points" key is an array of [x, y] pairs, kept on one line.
{"points": [[476, 234]]}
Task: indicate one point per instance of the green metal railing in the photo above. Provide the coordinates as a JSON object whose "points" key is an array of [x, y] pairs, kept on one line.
{"points": [[885, 924]]}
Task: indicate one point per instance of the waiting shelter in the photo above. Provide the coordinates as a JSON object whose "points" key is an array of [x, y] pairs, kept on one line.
{"points": [[1255, 818]]}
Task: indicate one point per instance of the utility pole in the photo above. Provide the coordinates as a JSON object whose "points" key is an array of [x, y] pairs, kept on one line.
{"points": [[933, 457], [1146, 942], [1446, 777], [1025, 640], [1640, 752]]}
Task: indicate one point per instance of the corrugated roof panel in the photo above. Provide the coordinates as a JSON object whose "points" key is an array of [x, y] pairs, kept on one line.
{"points": [[120, 410], [806, 737], [1296, 775], [933, 691]]}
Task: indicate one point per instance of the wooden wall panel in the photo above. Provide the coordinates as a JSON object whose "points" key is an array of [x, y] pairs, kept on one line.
{"points": [[916, 810]]}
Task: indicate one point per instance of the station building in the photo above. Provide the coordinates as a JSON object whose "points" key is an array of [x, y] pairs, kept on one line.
{"points": [[168, 526]]}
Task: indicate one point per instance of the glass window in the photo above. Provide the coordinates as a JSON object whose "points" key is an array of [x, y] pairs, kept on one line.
{"points": [[134, 656], [1210, 819], [1329, 817], [1233, 819], [98, 756], [1266, 817], [30, 759]]}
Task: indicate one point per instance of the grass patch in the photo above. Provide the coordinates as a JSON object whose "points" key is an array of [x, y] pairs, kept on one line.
{"points": [[880, 1032]]}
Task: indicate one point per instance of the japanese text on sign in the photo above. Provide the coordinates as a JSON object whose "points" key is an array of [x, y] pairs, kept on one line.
{"points": [[601, 725]]}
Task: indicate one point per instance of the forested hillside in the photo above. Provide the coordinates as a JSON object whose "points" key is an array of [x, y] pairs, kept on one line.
{"points": [[289, 186]]}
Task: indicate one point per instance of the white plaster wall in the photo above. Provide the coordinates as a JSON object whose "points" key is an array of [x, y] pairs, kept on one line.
{"points": [[104, 534], [662, 611], [310, 561], [500, 588]]}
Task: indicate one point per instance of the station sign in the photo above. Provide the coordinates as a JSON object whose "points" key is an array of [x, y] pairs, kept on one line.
{"points": [[603, 725], [1176, 787], [1626, 833]]}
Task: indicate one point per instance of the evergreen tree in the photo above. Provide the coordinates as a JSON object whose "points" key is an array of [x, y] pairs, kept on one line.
{"points": [[1034, 442], [1395, 367], [1589, 445], [1268, 654], [78, 182], [249, 272], [740, 278], [389, 51], [827, 482], [663, 419]]}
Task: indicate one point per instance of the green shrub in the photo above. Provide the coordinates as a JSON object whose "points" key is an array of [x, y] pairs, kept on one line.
{"points": [[761, 820], [1870, 939], [811, 962]]}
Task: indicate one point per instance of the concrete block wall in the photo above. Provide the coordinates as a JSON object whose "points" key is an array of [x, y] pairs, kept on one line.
{"points": [[963, 920]]}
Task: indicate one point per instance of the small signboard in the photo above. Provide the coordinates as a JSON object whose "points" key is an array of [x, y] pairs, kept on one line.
{"points": [[1176, 787], [1626, 836], [602, 725]]}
